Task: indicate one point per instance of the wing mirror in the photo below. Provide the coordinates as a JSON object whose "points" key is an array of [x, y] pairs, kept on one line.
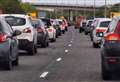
{"points": [[16, 32]]}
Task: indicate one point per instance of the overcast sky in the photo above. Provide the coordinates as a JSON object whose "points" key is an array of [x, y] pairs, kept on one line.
{"points": [[74, 2]]}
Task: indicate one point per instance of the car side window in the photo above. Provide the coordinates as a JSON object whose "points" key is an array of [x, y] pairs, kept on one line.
{"points": [[112, 25]]}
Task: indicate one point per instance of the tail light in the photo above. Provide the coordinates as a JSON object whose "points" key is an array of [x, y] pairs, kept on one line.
{"points": [[112, 60], [39, 30], [27, 30], [112, 36], [2, 38], [50, 30], [100, 30]]}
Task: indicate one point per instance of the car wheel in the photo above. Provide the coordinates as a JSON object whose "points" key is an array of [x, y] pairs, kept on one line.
{"points": [[80, 31], [35, 48], [8, 64], [86, 33], [106, 75], [95, 45], [16, 61], [31, 50]]}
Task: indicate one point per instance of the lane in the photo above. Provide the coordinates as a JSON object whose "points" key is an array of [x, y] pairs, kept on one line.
{"points": [[31, 67], [80, 64]]}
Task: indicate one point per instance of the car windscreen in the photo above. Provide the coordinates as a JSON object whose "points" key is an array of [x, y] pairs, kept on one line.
{"points": [[47, 22], [15, 21], [105, 24]]}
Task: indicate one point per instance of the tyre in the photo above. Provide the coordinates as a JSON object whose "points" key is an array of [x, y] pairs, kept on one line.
{"points": [[86, 33], [44, 45], [35, 48], [95, 45], [8, 64], [80, 31], [106, 75], [31, 50], [16, 61]]}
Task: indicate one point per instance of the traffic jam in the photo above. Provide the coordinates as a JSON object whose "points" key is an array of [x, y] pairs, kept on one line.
{"points": [[104, 34], [59, 41]]}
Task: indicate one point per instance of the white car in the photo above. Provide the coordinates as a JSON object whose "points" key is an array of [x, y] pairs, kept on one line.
{"points": [[28, 38], [51, 30], [101, 26]]}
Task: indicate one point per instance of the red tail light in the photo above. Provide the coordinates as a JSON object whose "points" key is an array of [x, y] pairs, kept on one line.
{"points": [[112, 36], [27, 30], [50, 30], [100, 30], [112, 60], [39, 30], [2, 38]]}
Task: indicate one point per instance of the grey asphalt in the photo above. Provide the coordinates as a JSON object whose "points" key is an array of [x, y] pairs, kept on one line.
{"points": [[80, 62]]}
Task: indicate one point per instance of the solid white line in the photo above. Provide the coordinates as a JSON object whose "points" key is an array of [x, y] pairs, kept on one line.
{"points": [[44, 74], [59, 59], [66, 51]]}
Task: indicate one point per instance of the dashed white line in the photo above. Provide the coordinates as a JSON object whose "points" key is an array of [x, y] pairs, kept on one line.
{"points": [[59, 59], [66, 51], [71, 41], [44, 74], [70, 45]]}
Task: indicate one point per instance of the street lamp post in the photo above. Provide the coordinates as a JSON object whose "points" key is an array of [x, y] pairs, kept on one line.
{"points": [[105, 13], [85, 8], [94, 8]]}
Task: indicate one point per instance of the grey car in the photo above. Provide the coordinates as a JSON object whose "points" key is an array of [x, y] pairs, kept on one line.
{"points": [[8, 45]]}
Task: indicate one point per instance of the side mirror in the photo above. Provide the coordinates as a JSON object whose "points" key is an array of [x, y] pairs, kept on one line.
{"points": [[16, 32], [100, 34]]}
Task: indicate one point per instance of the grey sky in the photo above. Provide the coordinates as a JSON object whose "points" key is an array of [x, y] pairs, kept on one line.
{"points": [[75, 2]]}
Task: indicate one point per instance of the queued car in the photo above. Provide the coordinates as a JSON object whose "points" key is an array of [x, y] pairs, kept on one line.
{"points": [[28, 38], [51, 30], [8, 45], [101, 26], [92, 27], [88, 27], [42, 33], [110, 50], [57, 27], [61, 25], [82, 26]]}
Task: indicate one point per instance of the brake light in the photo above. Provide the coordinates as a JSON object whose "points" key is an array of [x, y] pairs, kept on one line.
{"points": [[39, 30], [112, 60], [50, 30], [2, 38], [100, 30], [27, 30], [112, 36]]}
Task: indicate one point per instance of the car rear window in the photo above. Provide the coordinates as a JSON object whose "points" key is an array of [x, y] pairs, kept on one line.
{"points": [[104, 24], [15, 21], [47, 22]]}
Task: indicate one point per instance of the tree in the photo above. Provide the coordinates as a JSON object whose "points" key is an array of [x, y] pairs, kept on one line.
{"points": [[11, 6]]}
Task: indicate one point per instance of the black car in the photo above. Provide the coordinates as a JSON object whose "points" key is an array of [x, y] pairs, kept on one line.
{"points": [[82, 27], [8, 45], [42, 36], [110, 50]]}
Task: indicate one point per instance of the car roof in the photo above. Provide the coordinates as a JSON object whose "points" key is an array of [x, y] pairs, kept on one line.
{"points": [[17, 15]]}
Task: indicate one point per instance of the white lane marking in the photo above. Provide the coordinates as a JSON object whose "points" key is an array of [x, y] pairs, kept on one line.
{"points": [[44, 74], [59, 59], [70, 45], [66, 51], [71, 41]]}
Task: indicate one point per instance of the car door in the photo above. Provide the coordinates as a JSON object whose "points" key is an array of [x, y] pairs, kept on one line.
{"points": [[14, 41]]}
